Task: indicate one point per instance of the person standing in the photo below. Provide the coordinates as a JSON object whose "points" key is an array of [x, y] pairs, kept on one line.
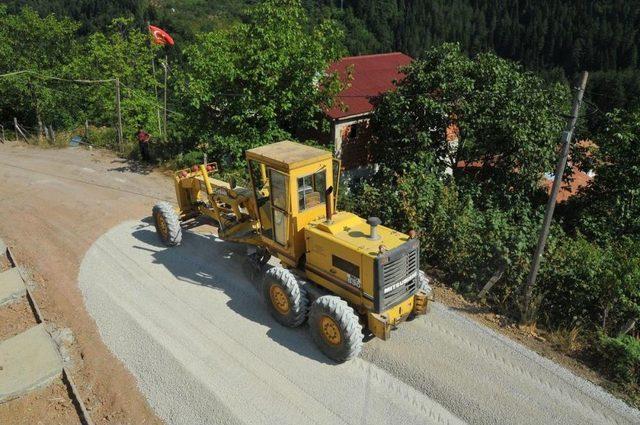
{"points": [[143, 142]]}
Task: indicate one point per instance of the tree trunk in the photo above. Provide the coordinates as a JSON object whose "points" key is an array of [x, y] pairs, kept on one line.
{"points": [[494, 279], [631, 323]]}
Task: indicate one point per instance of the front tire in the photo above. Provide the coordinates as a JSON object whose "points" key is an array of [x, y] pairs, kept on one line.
{"points": [[285, 297], [167, 224], [335, 328]]}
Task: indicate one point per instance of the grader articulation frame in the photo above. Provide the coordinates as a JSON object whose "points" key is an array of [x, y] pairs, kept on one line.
{"points": [[342, 273]]}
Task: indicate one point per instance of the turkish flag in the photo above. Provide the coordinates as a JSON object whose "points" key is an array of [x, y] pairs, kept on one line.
{"points": [[160, 36]]}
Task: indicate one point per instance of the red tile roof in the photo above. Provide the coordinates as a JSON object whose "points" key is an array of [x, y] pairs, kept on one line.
{"points": [[372, 75], [579, 179]]}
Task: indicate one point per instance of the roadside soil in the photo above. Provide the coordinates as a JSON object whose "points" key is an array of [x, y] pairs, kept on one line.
{"points": [[53, 204], [51, 405], [16, 317]]}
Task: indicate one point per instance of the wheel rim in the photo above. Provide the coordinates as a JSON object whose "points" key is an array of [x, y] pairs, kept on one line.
{"points": [[162, 226], [279, 299], [330, 330]]}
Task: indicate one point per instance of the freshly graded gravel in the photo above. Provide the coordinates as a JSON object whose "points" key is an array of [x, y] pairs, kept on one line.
{"points": [[190, 326]]}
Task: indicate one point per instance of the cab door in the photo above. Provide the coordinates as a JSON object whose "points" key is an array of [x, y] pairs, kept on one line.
{"points": [[279, 197], [271, 194]]}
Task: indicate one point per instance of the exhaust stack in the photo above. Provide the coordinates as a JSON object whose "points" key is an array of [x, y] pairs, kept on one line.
{"points": [[329, 204]]}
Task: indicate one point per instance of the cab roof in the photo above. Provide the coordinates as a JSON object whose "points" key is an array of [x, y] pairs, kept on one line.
{"points": [[288, 155]]}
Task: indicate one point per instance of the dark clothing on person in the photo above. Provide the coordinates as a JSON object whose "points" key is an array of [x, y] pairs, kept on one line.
{"points": [[144, 151], [143, 142]]}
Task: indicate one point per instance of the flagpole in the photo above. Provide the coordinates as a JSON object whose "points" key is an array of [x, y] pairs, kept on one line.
{"points": [[166, 73], [155, 87], [161, 37]]}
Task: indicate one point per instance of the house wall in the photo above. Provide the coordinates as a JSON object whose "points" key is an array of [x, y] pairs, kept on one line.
{"points": [[352, 143]]}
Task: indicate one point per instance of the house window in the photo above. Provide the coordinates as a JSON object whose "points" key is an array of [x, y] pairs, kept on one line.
{"points": [[311, 190], [353, 131]]}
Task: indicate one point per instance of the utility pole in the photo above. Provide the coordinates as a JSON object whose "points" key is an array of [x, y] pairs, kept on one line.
{"points": [[119, 112], [567, 135]]}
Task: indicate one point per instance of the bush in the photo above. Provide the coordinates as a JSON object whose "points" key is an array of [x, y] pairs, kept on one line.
{"points": [[592, 286], [188, 159], [620, 358], [103, 137]]}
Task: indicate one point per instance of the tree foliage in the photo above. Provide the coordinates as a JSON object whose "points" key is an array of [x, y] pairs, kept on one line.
{"points": [[508, 121], [41, 46], [610, 206], [592, 285], [126, 53], [260, 80]]}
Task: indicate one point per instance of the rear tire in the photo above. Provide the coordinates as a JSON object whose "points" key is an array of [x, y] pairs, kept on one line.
{"points": [[285, 297], [335, 328], [167, 224]]}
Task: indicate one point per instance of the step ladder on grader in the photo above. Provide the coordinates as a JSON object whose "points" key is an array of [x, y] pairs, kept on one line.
{"points": [[345, 275]]}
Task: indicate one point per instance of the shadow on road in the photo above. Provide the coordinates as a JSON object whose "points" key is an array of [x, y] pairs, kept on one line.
{"points": [[208, 261], [131, 166]]}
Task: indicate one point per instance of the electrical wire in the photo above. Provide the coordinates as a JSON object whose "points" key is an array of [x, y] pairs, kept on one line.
{"points": [[47, 77]]}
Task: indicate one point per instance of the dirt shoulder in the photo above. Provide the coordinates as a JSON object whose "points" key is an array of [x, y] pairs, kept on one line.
{"points": [[53, 205]]}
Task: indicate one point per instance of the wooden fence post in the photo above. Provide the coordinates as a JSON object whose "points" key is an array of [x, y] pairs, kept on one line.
{"points": [[119, 112], [40, 130]]}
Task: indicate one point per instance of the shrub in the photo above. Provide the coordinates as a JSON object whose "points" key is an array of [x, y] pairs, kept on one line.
{"points": [[590, 285], [620, 358], [189, 159]]}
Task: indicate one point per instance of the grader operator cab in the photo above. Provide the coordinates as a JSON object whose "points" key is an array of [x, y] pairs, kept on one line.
{"points": [[341, 273]]}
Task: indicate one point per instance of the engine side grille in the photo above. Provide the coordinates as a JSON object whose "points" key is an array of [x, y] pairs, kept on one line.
{"points": [[398, 277]]}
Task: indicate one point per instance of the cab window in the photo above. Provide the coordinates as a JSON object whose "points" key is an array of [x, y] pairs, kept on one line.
{"points": [[311, 190]]}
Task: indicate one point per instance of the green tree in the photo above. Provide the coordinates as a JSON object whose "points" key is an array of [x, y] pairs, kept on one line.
{"points": [[41, 46], [259, 81], [124, 52], [609, 207], [508, 121]]}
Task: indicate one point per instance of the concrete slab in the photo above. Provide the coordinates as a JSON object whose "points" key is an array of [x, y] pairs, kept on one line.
{"points": [[27, 361], [11, 285]]}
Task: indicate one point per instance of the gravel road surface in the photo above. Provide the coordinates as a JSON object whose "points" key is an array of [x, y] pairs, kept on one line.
{"points": [[190, 326]]}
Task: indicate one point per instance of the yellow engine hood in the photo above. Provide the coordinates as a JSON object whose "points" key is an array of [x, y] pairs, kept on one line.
{"points": [[354, 231]]}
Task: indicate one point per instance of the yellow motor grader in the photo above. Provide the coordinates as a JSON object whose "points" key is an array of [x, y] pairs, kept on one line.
{"points": [[343, 274]]}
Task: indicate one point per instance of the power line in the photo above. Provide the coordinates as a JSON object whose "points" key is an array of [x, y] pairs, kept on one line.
{"points": [[47, 77]]}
